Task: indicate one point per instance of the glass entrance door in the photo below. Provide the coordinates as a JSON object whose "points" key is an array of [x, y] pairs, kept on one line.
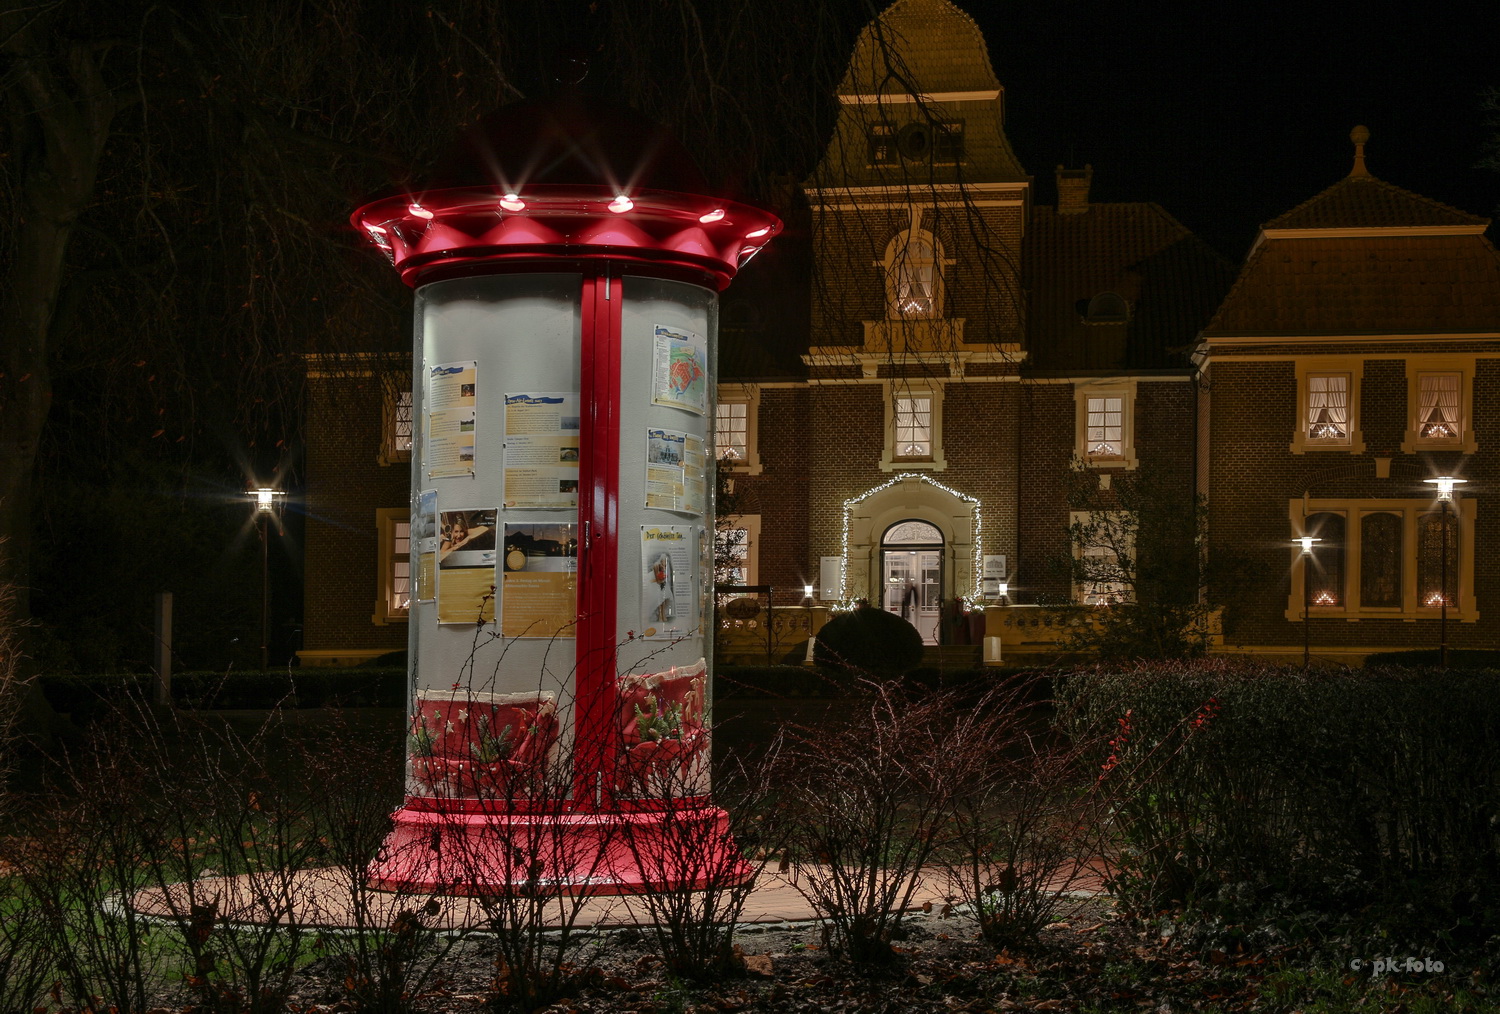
{"points": [[911, 556]]}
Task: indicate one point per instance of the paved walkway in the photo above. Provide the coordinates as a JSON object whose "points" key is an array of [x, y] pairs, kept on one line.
{"points": [[324, 898]]}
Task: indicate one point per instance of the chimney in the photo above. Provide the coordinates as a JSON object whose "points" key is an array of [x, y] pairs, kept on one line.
{"points": [[1073, 190]]}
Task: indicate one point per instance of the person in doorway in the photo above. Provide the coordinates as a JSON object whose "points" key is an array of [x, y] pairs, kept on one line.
{"points": [[909, 597]]}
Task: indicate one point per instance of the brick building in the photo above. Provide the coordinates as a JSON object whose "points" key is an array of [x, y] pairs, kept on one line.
{"points": [[1357, 355], [912, 377]]}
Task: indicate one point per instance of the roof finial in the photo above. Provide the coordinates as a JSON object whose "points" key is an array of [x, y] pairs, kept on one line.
{"points": [[1359, 135]]}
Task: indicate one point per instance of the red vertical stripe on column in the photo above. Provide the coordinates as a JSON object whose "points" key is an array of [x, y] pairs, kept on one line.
{"points": [[598, 568]]}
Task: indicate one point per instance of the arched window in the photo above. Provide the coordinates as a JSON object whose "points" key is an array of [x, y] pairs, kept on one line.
{"points": [[1437, 537], [1327, 574], [914, 276], [1107, 308], [1380, 560]]}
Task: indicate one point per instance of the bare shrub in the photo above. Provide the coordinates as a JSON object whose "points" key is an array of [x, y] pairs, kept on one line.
{"points": [[1023, 825], [382, 963], [866, 805]]}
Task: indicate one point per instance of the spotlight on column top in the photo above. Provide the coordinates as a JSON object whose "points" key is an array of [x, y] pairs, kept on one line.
{"points": [[418, 211], [621, 204], [512, 202], [758, 233], [1445, 484], [713, 216]]}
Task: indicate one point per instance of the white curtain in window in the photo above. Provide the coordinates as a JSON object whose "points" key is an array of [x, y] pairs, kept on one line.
{"points": [[1328, 407], [1439, 405], [915, 267], [1106, 426], [913, 427]]}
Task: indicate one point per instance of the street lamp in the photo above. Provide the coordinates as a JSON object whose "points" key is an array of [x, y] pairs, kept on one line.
{"points": [[1004, 592], [1444, 484], [1306, 542], [807, 596], [264, 499]]}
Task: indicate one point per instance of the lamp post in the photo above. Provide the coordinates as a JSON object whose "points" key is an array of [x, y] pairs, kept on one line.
{"points": [[1444, 484], [807, 595], [1306, 542], [264, 499]]}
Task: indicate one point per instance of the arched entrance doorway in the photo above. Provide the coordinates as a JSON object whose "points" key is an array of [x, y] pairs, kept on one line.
{"points": [[911, 574]]}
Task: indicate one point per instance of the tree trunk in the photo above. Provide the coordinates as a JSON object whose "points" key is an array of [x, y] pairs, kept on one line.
{"points": [[59, 112]]}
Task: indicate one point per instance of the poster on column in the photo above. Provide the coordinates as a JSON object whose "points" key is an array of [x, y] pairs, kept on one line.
{"points": [[705, 570], [667, 588], [466, 566], [679, 370], [674, 471], [450, 430], [424, 544], [541, 450], [539, 582]]}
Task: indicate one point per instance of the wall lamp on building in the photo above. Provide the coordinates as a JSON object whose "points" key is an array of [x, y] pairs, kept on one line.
{"points": [[1444, 484]]}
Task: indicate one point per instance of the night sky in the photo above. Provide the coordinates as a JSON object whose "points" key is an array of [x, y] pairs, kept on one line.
{"points": [[1230, 113]]}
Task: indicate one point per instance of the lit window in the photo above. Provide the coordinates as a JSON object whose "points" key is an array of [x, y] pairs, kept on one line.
{"points": [[1385, 558], [1432, 568], [1104, 425], [737, 428], [1327, 581], [396, 421], [1439, 395], [737, 550], [1328, 392], [729, 432], [1328, 408], [914, 282], [1103, 556], [393, 594], [914, 427], [1437, 412]]}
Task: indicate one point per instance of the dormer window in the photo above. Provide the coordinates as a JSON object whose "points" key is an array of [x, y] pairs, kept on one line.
{"points": [[880, 140], [1107, 308]]}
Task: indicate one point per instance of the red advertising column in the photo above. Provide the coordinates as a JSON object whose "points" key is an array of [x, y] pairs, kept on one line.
{"points": [[561, 330]]}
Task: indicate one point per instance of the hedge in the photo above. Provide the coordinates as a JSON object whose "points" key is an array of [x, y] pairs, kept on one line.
{"points": [[87, 695]]}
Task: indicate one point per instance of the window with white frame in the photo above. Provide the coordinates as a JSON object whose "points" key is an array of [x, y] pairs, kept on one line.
{"points": [[1328, 405], [913, 428], [396, 422], [1327, 412], [880, 139], [1439, 392], [913, 268], [1104, 424], [1384, 558], [1103, 554], [736, 429], [393, 590], [737, 550]]}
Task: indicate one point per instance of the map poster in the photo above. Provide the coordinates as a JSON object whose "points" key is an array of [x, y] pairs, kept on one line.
{"points": [[667, 589], [539, 583], [466, 566], [451, 401], [675, 471], [679, 370], [424, 544], [541, 450]]}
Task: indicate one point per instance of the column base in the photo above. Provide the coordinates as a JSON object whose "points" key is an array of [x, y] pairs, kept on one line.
{"points": [[469, 854]]}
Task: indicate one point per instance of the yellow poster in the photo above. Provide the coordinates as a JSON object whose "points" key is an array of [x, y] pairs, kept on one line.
{"points": [[466, 566], [452, 396], [539, 581], [541, 450]]}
